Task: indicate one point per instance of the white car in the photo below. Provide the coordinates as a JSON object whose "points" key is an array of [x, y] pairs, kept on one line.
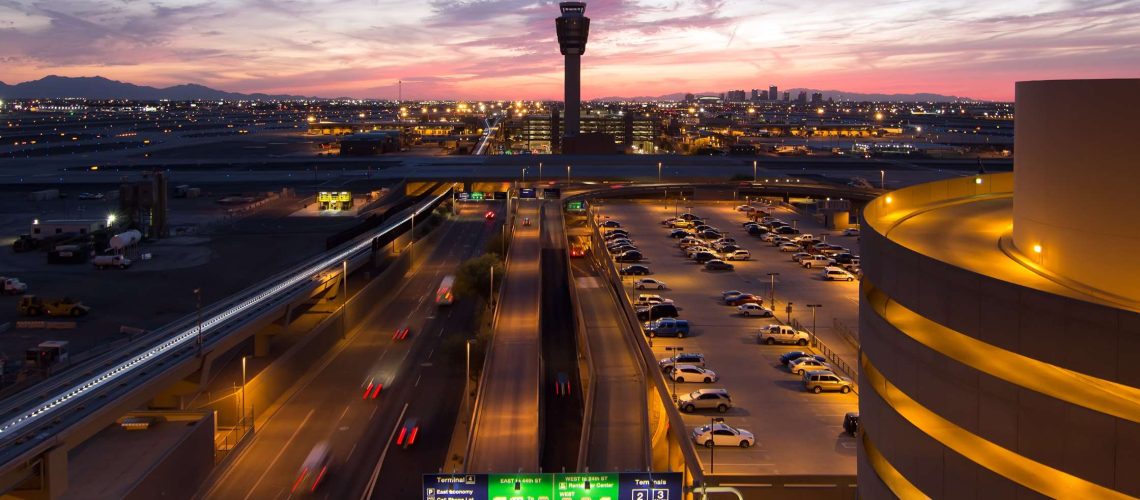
{"points": [[817, 261], [789, 247], [807, 364], [693, 373], [724, 295], [647, 299], [754, 310], [836, 274], [745, 208], [768, 237], [854, 231], [722, 434], [740, 254], [645, 283]]}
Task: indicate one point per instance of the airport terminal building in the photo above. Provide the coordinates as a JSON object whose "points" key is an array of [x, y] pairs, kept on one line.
{"points": [[1000, 315]]}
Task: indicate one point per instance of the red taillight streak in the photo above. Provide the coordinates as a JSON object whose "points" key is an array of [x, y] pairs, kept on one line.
{"points": [[304, 472], [319, 477], [367, 390], [376, 392], [400, 438], [412, 438]]}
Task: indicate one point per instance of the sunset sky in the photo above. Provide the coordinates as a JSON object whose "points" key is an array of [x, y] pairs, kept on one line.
{"points": [[507, 49]]}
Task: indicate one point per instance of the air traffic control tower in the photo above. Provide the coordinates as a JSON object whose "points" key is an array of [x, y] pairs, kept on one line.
{"points": [[573, 28]]}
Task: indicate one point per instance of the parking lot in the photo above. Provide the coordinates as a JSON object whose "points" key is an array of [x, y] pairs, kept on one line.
{"points": [[796, 432]]}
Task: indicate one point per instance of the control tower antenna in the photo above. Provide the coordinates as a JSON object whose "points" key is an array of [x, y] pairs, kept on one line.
{"points": [[573, 28]]}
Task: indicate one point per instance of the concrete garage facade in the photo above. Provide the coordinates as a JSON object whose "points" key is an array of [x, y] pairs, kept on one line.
{"points": [[993, 365]]}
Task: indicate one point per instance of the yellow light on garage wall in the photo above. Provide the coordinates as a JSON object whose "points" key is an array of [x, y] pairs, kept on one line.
{"points": [[977, 180], [1037, 249], [889, 199]]}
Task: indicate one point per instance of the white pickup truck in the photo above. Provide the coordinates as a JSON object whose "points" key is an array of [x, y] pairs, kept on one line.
{"points": [[781, 334]]}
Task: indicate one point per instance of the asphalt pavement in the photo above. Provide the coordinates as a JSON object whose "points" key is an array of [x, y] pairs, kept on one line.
{"points": [[329, 407], [506, 434]]}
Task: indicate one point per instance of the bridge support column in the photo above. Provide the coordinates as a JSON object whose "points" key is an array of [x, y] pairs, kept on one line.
{"points": [[55, 473]]}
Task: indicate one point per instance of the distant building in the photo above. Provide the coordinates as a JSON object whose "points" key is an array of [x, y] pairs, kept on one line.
{"points": [[690, 97], [772, 92], [632, 132], [816, 98], [802, 98], [755, 95], [735, 96], [371, 143], [764, 95], [787, 96]]}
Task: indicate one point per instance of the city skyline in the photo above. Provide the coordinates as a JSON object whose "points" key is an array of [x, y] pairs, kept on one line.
{"points": [[495, 50]]}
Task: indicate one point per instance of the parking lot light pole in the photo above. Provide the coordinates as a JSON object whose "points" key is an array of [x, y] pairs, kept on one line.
{"points": [[753, 170], [676, 352], [712, 449], [772, 290], [658, 172], [813, 308], [540, 172]]}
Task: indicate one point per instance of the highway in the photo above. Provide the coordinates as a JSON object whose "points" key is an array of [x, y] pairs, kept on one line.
{"points": [[506, 428], [618, 429], [68, 398], [419, 381]]}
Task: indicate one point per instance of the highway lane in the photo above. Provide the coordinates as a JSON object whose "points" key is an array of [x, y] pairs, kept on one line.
{"points": [[618, 428], [329, 406], [506, 431]]}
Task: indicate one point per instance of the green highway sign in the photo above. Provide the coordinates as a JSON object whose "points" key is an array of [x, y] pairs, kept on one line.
{"points": [[586, 486], [520, 487], [476, 196]]}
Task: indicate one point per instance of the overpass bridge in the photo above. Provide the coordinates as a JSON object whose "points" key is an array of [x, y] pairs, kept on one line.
{"points": [[41, 424]]}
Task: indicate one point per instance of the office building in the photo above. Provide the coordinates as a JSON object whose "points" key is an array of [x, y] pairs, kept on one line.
{"points": [[1000, 315], [772, 92], [816, 98]]}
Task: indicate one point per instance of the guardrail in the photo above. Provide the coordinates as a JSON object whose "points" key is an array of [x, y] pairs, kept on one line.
{"points": [[648, 361], [30, 419], [830, 354]]}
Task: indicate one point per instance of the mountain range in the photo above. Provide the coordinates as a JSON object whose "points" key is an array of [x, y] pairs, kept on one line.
{"points": [[97, 87]]}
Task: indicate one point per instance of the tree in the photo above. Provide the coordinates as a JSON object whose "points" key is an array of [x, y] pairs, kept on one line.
{"points": [[473, 279]]}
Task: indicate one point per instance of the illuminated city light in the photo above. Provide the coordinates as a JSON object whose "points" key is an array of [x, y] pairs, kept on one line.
{"points": [[1036, 248]]}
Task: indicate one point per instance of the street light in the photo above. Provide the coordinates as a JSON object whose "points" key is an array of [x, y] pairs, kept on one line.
{"points": [[813, 308], [676, 352], [659, 172], [772, 290], [523, 175], [567, 174], [344, 303], [540, 172], [242, 420], [882, 179], [753, 170], [467, 390]]}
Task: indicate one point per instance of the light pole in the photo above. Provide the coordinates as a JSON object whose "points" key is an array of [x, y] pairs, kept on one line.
{"points": [[676, 351], [772, 290], [467, 390], [243, 358], [523, 176], [813, 308], [753, 170], [567, 174], [491, 297], [658, 172], [882, 179], [344, 303], [540, 172], [198, 307]]}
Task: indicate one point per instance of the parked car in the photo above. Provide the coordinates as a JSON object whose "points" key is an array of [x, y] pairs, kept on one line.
{"points": [[718, 265], [647, 283], [705, 399], [610, 223], [695, 249], [754, 310], [709, 234], [689, 241], [649, 299], [667, 326], [657, 311], [685, 358], [722, 434], [622, 248], [788, 357], [845, 258], [818, 381], [629, 256], [757, 230], [681, 224], [836, 274], [854, 231], [787, 230], [782, 334], [800, 256], [789, 247], [817, 261], [679, 233], [834, 250], [727, 293], [634, 270], [691, 373], [806, 365], [744, 298], [704, 256], [739, 254], [617, 233], [851, 422], [727, 248]]}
